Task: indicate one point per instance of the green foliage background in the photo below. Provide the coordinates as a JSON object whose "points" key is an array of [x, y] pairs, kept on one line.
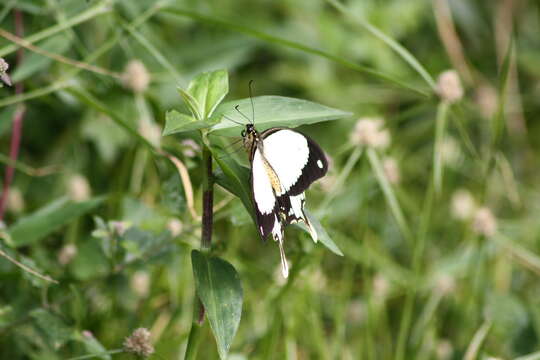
{"points": [[95, 209]]}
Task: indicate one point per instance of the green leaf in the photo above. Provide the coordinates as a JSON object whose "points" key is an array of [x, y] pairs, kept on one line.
{"points": [[219, 289], [322, 234], [44, 221], [208, 89], [271, 111], [192, 104], [52, 326], [176, 122], [234, 178]]}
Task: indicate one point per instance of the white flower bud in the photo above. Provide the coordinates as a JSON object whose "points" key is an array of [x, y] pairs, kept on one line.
{"points": [[140, 283], [78, 188], [135, 76], [381, 287], [445, 284], [449, 86], [463, 205], [175, 227], [66, 254], [484, 222], [15, 201], [451, 152], [138, 343], [391, 170], [370, 132]]}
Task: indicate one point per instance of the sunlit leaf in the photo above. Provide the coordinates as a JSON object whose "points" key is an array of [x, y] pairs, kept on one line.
{"points": [[219, 289], [208, 89], [176, 122], [271, 111]]}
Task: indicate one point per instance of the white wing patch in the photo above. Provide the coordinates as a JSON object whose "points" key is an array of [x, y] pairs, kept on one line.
{"points": [[287, 152], [262, 188]]}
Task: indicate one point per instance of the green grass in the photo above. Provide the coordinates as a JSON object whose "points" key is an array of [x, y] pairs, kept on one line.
{"points": [[94, 174]]}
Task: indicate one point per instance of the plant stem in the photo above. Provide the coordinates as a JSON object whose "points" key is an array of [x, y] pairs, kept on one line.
{"points": [[18, 117], [206, 243], [208, 199], [440, 129], [389, 194], [91, 356], [194, 339]]}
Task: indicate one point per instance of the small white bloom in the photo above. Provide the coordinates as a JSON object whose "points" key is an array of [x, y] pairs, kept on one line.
{"points": [[370, 132], [391, 170], [463, 205], [138, 343], [175, 227], [15, 201], [445, 284], [381, 287], [135, 76], [66, 254], [119, 227], [451, 152], [449, 86], [78, 188], [444, 350], [140, 283], [485, 222]]}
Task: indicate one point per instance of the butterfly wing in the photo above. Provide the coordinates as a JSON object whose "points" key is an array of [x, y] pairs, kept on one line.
{"points": [[297, 161], [282, 168]]}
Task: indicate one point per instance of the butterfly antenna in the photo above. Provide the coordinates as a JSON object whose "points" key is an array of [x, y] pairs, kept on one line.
{"points": [[234, 121], [241, 113], [252, 106]]}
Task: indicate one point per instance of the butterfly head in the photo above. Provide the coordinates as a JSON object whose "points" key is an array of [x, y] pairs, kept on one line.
{"points": [[250, 136]]}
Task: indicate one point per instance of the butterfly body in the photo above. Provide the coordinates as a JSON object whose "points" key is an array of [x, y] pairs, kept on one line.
{"points": [[284, 163]]}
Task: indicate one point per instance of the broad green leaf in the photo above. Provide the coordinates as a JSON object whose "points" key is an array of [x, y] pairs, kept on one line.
{"points": [[234, 178], [219, 289], [271, 111], [34, 62], [192, 104], [41, 223], [176, 122], [52, 326], [208, 89], [322, 234]]}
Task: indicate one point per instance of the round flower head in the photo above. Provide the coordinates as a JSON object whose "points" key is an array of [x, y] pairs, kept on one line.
{"points": [[174, 226], [78, 188], [4, 66], [135, 76], [449, 86], [484, 222], [67, 253], [138, 343], [370, 132], [463, 205]]}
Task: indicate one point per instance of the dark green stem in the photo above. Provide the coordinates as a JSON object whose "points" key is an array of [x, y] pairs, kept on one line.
{"points": [[208, 200]]}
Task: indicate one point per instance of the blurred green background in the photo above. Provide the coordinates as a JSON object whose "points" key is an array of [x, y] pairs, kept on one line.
{"points": [[461, 282]]}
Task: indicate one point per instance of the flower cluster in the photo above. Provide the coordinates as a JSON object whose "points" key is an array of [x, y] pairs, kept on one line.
{"points": [[370, 132], [464, 208], [138, 343], [135, 76], [449, 86]]}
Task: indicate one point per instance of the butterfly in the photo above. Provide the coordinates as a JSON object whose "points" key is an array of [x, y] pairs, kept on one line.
{"points": [[284, 163]]}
